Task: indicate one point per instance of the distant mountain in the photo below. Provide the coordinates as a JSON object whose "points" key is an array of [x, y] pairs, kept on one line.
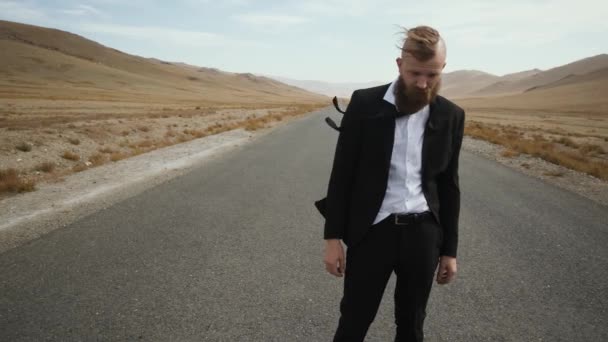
{"points": [[520, 75], [462, 83], [576, 94], [340, 89], [515, 86], [474, 83], [38, 62]]}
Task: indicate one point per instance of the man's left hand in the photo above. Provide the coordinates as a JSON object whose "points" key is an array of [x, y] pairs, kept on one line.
{"points": [[446, 270]]}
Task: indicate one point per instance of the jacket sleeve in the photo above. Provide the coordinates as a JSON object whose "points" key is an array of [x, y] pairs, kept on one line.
{"points": [[343, 171], [449, 193]]}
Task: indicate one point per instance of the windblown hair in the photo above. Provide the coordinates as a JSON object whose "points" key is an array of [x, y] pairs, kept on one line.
{"points": [[422, 42]]}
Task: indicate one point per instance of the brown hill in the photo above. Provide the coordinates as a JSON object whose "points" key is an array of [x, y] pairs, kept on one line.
{"points": [[462, 83], [37, 62], [580, 67], [520, 75], [584, 94]]}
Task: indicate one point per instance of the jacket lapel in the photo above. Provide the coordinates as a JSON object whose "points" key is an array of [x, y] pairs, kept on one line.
{"points": [[386, 121], [430, 131]]}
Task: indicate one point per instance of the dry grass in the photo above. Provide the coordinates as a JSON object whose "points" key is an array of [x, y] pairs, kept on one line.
{"points": [[145, 131], [79, 167], [11, 182], [47, 167], [70, 156], [591, 149], [97, 159], [106, 150], [566, 142], [116, 156], [24, 147], [536, 145], [509, 153]]}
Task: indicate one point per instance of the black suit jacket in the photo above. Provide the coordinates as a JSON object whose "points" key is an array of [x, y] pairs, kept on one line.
{"points": [[361, 164]]}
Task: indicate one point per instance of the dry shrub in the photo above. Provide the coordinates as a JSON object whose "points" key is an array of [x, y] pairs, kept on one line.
{"points": [[106, 150], [71, 125], [143, 144], [170, 133], [567, 142], [143, 128], [541, 148], [538, 137], [74, 141], [591, 148], [163, 143], [253, 125], [45, 167], [97, 159], [70, 156], [124, 133], [137, 151], [508, 153], [525, 165], [23, 146], [193, 132], [11, 182], [116, 156], [184, 138], [79, 167]]}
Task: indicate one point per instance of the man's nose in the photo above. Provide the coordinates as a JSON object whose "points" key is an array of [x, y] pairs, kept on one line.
{"points": [[421, 83]]}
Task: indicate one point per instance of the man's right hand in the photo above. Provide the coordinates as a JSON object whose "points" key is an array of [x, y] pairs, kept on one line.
{"points": [[335, 261]]}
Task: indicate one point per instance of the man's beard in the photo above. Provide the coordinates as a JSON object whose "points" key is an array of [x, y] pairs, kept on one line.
{"points": [[409, 100]]}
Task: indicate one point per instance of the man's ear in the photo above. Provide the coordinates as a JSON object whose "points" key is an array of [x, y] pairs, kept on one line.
{"points": [[399, 61]]}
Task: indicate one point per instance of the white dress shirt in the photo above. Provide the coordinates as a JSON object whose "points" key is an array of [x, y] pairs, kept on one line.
{"points": [[404, 189]]}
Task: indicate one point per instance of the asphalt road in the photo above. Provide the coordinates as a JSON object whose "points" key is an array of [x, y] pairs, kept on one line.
{"points": [[233, 252]]}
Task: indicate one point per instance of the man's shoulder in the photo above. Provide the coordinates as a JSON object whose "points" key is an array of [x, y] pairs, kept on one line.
{"points": [[447, 105], [372, 93]]}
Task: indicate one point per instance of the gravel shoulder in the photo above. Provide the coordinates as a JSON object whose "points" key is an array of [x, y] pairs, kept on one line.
{"points": [[577, 182]]}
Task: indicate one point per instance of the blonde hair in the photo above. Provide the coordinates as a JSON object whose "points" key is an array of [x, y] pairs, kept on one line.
{"points": [[422, 42]]}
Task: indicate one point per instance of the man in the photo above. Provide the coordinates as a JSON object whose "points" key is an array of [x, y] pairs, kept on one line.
{"points": [[393, 194]]}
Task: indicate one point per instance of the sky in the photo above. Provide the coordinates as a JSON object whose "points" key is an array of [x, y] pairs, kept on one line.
{"points": [[330, 40]]}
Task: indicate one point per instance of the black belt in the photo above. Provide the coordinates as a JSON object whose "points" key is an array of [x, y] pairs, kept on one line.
{"points": [[407, 219]]}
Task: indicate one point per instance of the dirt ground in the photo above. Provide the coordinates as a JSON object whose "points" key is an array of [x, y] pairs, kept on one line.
{"points": [[45, 140]]}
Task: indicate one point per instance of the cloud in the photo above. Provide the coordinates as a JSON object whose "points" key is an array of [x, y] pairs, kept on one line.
{"points": [[353, 8], [521, 23], [21, 12], [259, 19], [83, 10], [167, 35]]}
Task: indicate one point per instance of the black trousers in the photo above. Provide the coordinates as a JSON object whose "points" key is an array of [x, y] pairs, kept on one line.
{"points": [[412, 252]]}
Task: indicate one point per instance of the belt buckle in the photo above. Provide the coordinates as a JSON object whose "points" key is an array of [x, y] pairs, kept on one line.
{"points": [[409, 218], [397, 222]]}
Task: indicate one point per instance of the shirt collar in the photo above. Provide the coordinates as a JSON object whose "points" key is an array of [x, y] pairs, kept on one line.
{"points": [[389, 96]]}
